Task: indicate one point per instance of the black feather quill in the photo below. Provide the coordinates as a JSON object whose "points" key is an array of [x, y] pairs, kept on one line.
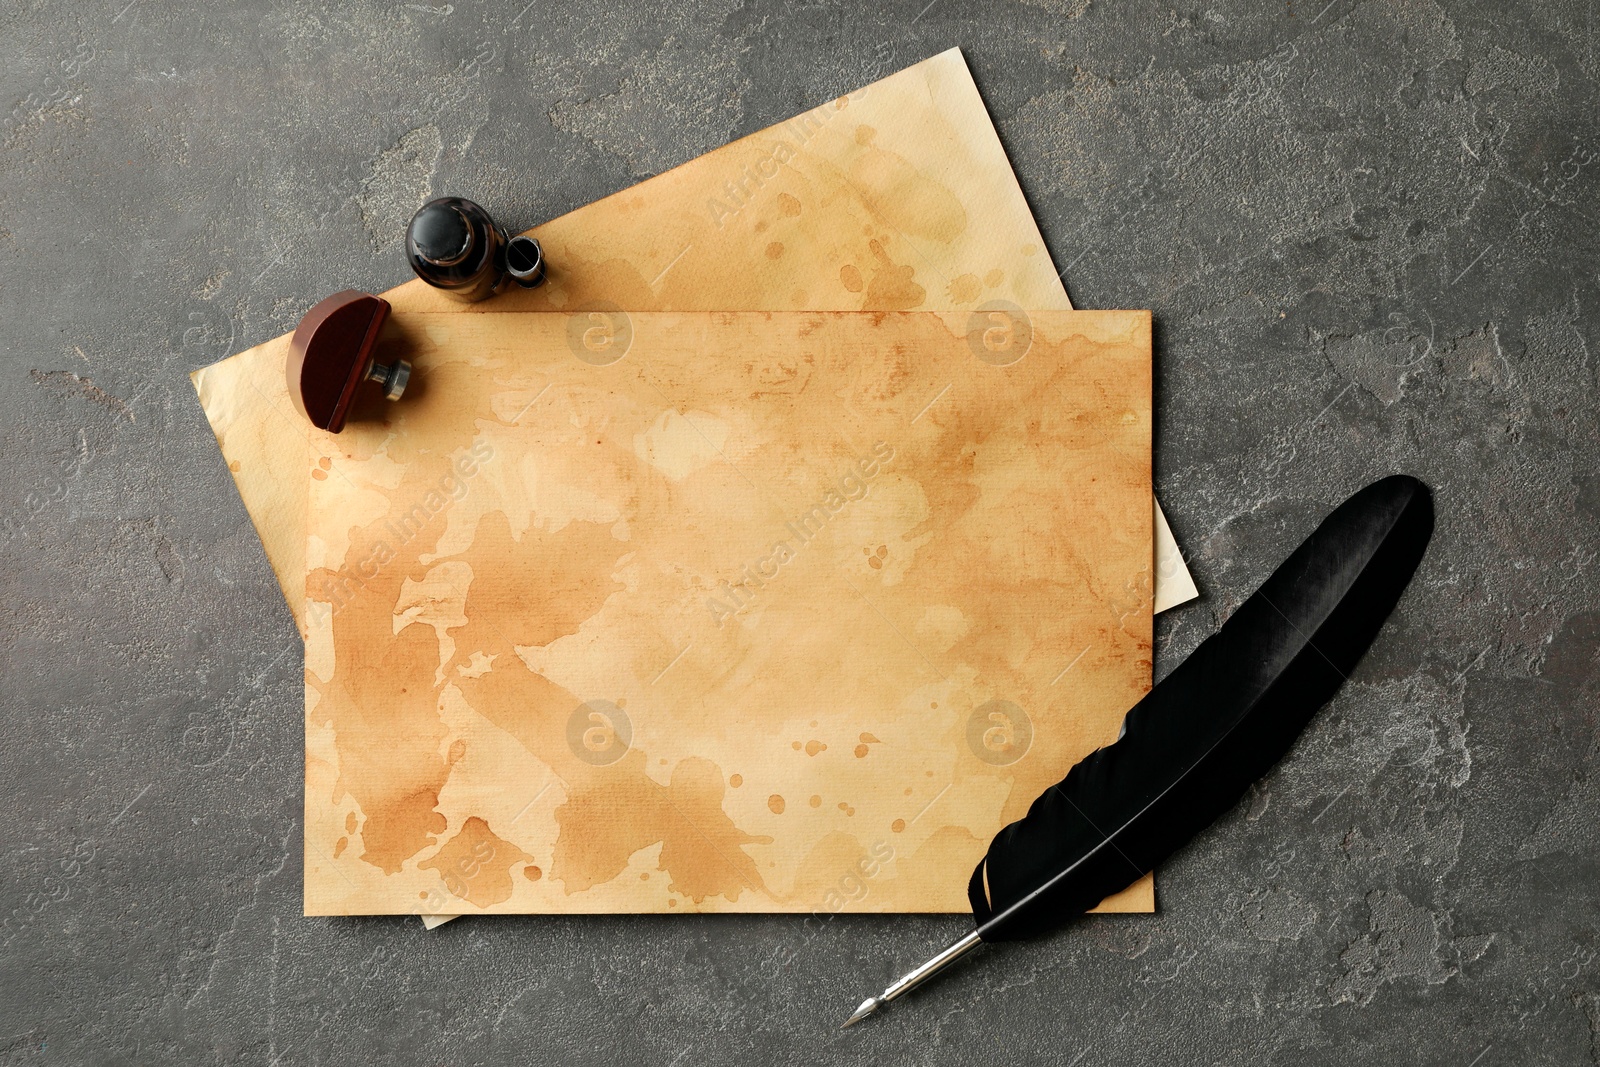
{"points": [[1218, 722]]}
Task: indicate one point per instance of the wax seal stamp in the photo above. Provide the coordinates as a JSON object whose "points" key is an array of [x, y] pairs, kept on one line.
{"points": [[331, 353], [454, 245]]}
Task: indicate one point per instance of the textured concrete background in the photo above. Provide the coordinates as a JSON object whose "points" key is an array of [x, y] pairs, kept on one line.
{"points": [[1368, 232]]}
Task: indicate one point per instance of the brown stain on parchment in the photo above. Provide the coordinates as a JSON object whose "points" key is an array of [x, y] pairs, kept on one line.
{"points": [[900, 195], [605, 821], [399, 828], [891, 287], [476, 864], [964, 288], [949, 473], [386, 726], [702, 850], [546, 584]]}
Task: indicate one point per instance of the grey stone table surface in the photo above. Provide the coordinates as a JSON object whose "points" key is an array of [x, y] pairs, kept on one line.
{"points": [[1368, 232]]}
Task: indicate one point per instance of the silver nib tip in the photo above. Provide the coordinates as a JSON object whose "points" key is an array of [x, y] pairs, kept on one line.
{"points": [[868, 1006]]}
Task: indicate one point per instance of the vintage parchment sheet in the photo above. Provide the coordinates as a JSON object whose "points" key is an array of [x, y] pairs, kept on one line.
{"points": [[896, 197], [696, 612]]}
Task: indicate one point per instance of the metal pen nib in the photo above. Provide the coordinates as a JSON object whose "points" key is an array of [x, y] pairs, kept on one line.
{"points": [[913, 978], [868, 1006]]}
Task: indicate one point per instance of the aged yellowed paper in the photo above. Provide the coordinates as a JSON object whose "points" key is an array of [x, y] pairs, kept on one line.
{"points": [[693, 612], [700, 237], [898, 196]]}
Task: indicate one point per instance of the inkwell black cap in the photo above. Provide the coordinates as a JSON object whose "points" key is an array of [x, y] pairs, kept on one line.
{"points": [[454, 245], [440, 234]]}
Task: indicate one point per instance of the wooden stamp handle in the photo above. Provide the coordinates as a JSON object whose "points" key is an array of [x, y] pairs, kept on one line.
{"points": [[331, 353]]}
